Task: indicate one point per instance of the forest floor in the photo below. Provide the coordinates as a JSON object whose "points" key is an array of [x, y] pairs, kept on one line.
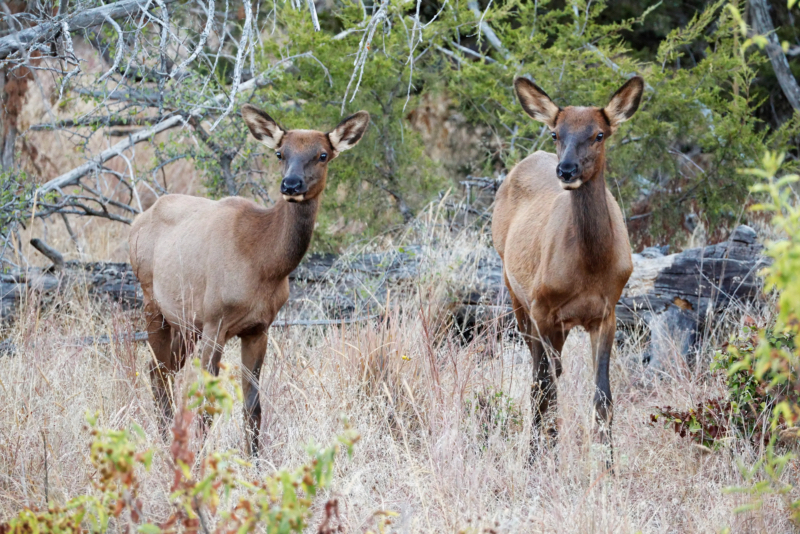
{"points": [[444, 424]]}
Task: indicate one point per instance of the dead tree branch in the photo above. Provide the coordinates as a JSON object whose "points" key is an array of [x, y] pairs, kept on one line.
{"points": [[762, 23], [25, 39]]}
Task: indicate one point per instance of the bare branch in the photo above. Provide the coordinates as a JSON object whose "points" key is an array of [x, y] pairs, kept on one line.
{"points": [[313, 9], [72, 177], [487, 31], [120, 48], [244, 44], [24, 39], [50, 253], [201, 43], [762, 23]]}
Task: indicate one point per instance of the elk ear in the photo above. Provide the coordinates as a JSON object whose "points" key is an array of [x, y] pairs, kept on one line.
{"points": [[262, 126], [535, 102], [625, 102], [349, 132]]}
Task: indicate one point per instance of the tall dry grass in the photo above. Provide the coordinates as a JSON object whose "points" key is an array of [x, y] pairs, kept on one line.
{"points": [[416, 394]]}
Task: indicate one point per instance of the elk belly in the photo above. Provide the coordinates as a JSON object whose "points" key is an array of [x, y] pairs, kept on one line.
{"points": [[587, 311]]}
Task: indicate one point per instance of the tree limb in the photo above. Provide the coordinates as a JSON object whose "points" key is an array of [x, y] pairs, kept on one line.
{"points": [[762, 23], [50, 253], [80, 21], [487, 31]]}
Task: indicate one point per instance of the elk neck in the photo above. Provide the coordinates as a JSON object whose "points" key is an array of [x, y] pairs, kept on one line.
{"points": [[284, 235], [592, 221]]}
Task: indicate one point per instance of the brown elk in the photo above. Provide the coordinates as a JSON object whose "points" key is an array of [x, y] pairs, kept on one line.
{"points": [[565, 249], [220, 268]]}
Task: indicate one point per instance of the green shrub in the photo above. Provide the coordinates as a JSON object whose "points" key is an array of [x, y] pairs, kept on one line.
{"points": [[280, 503], [694, 129]]}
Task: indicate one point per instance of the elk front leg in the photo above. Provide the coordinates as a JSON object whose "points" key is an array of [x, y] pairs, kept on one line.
{"points": [[254, 348], [602, 340], [161, 367], [209, 350], [543, 391]]}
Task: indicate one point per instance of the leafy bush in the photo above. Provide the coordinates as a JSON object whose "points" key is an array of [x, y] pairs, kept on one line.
{"points": [[775, 360], [762, 366], [707, 424], [281, 503], [694, 129]]}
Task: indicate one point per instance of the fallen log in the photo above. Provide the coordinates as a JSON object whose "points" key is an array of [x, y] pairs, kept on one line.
{"points": [[676, 296], [670, 293]]}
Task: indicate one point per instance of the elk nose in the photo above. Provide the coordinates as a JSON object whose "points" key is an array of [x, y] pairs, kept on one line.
{"points": [[566, 170], [292, 185]]}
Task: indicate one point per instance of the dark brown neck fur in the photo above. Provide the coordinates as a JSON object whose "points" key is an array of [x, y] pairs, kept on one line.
{"points": [[277, 238], [297, 220], [593, 223]]}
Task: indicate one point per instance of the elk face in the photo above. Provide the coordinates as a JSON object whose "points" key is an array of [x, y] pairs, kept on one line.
{"points": [[580, 132], [304, 154]]}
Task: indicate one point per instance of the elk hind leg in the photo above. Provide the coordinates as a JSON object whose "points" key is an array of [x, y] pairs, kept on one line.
{"points": [[163, 365], [254, 348], [543, 388], [602, 340], [543, 395]]}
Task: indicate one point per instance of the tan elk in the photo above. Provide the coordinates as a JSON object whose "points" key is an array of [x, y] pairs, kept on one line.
{"points": [[220, 268], [564, 245]]}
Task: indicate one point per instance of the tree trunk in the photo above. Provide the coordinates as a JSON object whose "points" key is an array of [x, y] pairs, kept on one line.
{"points": [[762, 23]]}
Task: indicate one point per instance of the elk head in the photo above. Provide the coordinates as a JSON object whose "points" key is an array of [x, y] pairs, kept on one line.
{"points": [[580, 132], [304, 154]]}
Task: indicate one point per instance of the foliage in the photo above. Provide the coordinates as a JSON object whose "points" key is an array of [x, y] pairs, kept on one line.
{"points": [[695, 126], [281, 503], [494, 411], [706, 424], [775, 361], [762, 365]]}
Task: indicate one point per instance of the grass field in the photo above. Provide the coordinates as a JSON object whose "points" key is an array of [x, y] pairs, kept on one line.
{"points": [[444, 424]]}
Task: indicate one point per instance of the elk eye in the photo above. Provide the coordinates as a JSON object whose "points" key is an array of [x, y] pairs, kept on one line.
{"points": [[599, 137], [554, 136], [323, 157], [278, 154]]}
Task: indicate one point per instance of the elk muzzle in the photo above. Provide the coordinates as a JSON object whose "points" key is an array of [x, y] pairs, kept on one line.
{"points": [[294, 188], [569, 174]]}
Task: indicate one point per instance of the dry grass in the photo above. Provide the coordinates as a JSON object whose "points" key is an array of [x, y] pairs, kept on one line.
{"points": [[425, 451]]}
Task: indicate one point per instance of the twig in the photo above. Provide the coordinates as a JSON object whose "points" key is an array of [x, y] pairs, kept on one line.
{"points": [[82, 20], [487, 31], [237, 69], [313, 9], [201, 43], [363, 51], [44, 439], [72, 234], [120, 48]]}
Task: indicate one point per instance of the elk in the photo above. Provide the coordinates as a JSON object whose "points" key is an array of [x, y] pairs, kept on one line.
{"points": [[564, 245], [220, 268]]}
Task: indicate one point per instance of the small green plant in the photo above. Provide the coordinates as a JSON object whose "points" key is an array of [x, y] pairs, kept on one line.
{"points": [[707, 424], [773, 357], [280, 503], [494, 410]]}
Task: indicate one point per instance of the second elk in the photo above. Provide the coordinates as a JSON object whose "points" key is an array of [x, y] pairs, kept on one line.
{"points": [[564, 245], [213, 270]]}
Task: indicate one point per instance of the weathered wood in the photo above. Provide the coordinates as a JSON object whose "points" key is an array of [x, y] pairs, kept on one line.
{"points": [[686, 288]]}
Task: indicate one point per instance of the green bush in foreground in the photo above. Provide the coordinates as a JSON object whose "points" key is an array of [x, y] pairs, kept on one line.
{"points": [[200, 497], [775, 361], [762, 366]]}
